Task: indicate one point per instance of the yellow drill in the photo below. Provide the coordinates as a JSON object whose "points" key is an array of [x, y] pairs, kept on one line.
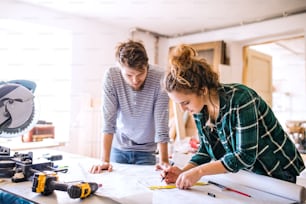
{"points": [[46, 182]]}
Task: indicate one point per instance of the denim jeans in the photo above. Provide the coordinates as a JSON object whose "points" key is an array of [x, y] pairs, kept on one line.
{"points": [[133, 157], [7, 198]]}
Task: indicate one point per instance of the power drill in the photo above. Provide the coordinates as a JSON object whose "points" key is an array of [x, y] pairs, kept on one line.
{"points": [[46, 182]]}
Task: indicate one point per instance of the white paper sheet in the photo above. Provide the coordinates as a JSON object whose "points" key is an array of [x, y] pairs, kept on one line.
{"points": [[129, 184]]}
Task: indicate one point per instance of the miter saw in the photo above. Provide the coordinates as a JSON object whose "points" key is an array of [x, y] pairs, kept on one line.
{"points": [[17, 116], [17, 109]]}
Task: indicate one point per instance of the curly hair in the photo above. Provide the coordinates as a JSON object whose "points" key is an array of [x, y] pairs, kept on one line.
{"points": [[132, 54], [188, 73]]}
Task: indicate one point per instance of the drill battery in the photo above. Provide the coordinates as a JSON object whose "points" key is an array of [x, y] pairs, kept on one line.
{"points": [[43, 182], [46, 182]]}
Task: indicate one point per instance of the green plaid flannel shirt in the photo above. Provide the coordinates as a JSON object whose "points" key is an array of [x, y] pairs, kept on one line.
{"points": [[247, 136]]}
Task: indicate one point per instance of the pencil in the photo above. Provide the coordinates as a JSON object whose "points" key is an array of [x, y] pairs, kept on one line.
{"points": [[229, 189], [163, 178]]}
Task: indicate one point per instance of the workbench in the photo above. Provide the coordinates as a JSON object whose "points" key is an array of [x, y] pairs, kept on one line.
{"points": [[130, 184]]}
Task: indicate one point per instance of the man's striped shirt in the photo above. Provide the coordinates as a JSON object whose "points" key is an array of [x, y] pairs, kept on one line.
{"points": [[138, 119]]}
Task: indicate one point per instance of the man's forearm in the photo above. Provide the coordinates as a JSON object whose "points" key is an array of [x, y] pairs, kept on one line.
{"points": [[163, 152], [107, 144]]}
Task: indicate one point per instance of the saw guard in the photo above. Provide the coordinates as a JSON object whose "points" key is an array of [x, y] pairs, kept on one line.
{"points": [[17, 109]]}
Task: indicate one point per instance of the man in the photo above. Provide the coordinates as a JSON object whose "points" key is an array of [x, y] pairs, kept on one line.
{"points": [[135, 111]]}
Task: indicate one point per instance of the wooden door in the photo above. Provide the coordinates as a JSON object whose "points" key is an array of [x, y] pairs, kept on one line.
{"points": [[257, 73]]}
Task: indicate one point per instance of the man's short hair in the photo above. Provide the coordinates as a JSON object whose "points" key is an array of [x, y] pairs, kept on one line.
{"points": [[132, 54]]}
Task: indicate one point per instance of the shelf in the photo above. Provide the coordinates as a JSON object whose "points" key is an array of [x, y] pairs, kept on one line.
{"points": [[20, 146]]}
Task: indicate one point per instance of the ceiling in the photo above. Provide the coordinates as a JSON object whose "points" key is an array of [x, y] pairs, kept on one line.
{"points": [[289, 51], [171, 18]]}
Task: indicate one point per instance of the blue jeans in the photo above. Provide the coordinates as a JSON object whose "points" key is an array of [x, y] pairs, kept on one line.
{"points": [[133, 157], [7, 198]]}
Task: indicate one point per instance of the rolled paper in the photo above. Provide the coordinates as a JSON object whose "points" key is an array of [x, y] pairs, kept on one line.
{"points": [[269, 185]]}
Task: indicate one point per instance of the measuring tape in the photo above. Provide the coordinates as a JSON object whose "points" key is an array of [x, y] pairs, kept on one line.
{"points": [[174, 186]]}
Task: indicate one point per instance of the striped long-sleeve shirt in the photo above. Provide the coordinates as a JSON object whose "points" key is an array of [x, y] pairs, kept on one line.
{"points": [[247, 136], [138, 119]]}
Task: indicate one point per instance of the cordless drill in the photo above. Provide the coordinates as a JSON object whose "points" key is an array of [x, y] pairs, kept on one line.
{"points": [[46, 182]]}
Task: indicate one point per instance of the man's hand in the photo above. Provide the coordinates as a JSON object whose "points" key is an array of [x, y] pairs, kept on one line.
{"points": [[95, 169], [162, 165]]}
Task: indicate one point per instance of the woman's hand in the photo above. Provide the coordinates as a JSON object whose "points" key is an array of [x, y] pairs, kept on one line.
{"points": [[95, 169], [188, 178], [170, 174]]}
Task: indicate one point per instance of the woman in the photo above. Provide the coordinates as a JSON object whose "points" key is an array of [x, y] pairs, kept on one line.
{"points": [[237, 129]]}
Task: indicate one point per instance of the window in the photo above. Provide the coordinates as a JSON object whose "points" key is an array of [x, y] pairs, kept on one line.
{"points": [[42, 54]]}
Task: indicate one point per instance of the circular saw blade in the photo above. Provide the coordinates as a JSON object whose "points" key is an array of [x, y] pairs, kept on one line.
{"points": [[17, 110]]}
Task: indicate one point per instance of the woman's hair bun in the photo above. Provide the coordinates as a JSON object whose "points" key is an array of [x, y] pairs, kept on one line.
{"points": [[182, 56]]}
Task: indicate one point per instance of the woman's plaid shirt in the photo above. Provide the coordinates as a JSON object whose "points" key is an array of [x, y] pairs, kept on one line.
{"points": [[247, 135]]}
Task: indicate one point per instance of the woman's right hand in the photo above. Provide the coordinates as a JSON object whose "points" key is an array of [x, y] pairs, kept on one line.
{"points": [[170, 174], [96, 169]]}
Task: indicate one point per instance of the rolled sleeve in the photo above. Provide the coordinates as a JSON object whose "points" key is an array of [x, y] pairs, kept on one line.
{"points": [[201, 156]]}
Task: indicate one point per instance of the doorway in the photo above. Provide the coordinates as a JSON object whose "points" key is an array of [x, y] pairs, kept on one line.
{"points": [[288, 77]]}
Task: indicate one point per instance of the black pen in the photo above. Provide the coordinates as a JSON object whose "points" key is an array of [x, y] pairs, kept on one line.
{"points": [[211, 194], [163, 178], [229, 189]]}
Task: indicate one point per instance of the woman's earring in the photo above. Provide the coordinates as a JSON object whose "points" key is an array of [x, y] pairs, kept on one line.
{"points": [[204, 92]]}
